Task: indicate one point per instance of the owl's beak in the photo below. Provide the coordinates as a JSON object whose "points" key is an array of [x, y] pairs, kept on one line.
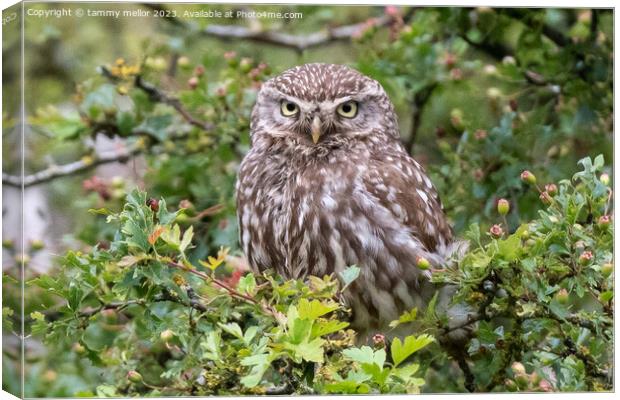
{"points": [[315, 131]]}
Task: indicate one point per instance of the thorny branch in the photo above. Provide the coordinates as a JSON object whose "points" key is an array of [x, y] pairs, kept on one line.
{"points": [[87, 163], [298, 43]]}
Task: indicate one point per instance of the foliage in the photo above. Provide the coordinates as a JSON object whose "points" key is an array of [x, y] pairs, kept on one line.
{"points": [[159, 324], [544, 293], [139, 304]]}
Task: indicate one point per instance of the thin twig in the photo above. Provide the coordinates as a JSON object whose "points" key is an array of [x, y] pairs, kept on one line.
{"points": [[158, 96], [419, 101], [298, 43], [123, 155], [88, 163]]}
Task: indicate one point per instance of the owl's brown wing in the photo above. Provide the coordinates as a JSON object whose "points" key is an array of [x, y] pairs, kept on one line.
{"points": [[401, 185]]}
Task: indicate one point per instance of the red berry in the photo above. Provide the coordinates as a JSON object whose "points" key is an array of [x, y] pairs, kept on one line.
{"points": [[153, 204]]}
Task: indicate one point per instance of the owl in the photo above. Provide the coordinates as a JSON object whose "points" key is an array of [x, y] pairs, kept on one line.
{"points": [[327, 184]]}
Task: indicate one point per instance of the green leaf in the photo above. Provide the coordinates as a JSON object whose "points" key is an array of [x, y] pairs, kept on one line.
{"points": [[407, 316], [365, 355], [211, 346], [310, 351], [349, 275], [233, 328], [247, 284], [315, 308], [107, 391], [260, 363], [128, 261], [325, 327], [400, 350], [187, 238], [155, 126]]}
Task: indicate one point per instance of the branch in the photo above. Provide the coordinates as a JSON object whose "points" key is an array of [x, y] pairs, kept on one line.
{"points": [[419, 101], [298, 43], [56, 171], [92, 161], [158, 96], [553, 34]]}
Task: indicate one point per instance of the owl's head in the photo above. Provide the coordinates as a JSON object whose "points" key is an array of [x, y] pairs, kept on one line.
{"points": [[323, 105]]}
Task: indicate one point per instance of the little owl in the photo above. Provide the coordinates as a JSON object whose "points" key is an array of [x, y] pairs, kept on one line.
{"points": [[327, 184]]}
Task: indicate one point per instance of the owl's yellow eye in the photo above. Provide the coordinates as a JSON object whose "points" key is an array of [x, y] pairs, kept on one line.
{"points": [[288, 108], [348, 109]]}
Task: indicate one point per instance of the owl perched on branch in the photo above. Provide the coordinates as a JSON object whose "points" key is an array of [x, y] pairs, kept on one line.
{"points": [[327, 184]]}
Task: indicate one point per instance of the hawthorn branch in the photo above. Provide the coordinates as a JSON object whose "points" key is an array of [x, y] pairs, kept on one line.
{"points": [[158, 96], [76, 167], [119, 306], [298, 43], [122, 156], [231, 291], [417, 106]]}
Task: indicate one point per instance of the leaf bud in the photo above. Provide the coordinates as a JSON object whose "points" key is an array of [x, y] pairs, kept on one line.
{"points": [[423, 263], [503, 206], [585, 257], [517, 368], [199, 70], [545, 197], [551, 188], [496, 231], [528, 177], [78, 348], [166, 335], [183, 61], [607, 269], [134, 376], [604, 221], [192, 82], [562, 296], [604, 179]]}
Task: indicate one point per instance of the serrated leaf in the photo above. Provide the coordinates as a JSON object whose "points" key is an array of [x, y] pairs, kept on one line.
{"points": [[233, 328], [128, 261], [402, 350], [366, 355], [325, 327], [187, 238], [407, 316], [315, 308], [349, 275], [247, 284]]}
